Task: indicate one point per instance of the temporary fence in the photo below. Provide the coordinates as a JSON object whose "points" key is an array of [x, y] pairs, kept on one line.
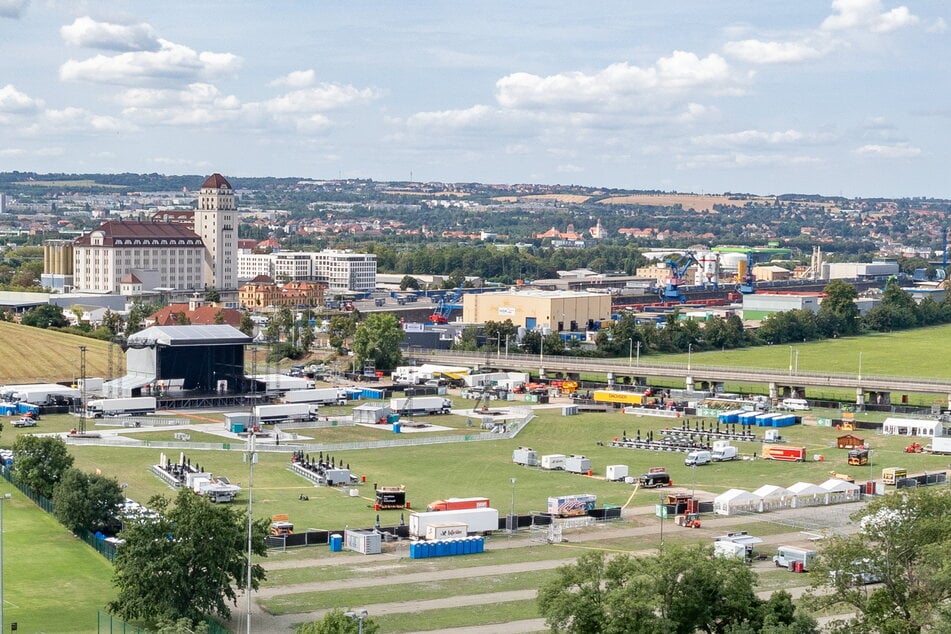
{"points": [[109, 624]]}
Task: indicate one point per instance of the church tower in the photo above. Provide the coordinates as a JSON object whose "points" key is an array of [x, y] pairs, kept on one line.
{"points": [[216, 221]]}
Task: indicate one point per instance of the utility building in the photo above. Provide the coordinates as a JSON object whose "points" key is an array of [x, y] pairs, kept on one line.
{"points": [[557, 310]]}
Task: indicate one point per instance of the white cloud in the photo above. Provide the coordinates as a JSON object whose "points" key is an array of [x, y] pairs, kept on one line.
{"points": [[569, 169], [896, 150], [695, 112], [67, 120], [318, 99], [110, 36], [760, 52], [742, 160], [16, 102], [199, 104], [296, 79], [171, 61], [13, 8], [937, 26], [749, 137], [451, 118], [614, 86], [867, 15]]}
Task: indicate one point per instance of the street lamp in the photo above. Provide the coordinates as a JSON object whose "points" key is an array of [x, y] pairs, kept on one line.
{"points": [[359, 616], [630, 350], [790, 360], [689, 354], [3, 499], [514, 522], [498, 343], [638, 353], [860, 367]]}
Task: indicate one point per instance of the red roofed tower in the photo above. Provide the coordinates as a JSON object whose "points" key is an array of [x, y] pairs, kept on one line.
{"points": [[216, 221]]}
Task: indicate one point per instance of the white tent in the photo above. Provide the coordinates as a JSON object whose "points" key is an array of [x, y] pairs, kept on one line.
{"points": [[773, 498], [841, 491], [735, 501], [912, 427], [807, 494]]}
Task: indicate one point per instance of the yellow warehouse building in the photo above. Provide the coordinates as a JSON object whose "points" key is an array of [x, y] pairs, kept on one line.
{"points": [[558, 310]]}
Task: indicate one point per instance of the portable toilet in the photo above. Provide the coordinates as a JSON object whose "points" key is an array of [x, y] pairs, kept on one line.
{"points": [[397, 427], [336, 543]]}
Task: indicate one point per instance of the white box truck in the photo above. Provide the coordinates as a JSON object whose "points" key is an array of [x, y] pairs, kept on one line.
{"points": [[287, 412], [723, 451], [792, 557], [120, 406], [616, 472], [320, 396], [939, 445], [525, 456], [420, 405], [553, 461], [478, 521], [577, 464]]}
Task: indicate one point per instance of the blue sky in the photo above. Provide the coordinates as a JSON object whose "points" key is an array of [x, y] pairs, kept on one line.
{"points": [[845, 97]]}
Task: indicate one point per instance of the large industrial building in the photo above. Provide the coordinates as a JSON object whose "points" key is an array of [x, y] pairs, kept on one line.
{"points": [[556, 310], [760, 305]]}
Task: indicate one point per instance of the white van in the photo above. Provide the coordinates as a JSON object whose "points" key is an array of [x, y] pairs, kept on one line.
{"points": [[794, 404], [697, 458], [786, 556]]}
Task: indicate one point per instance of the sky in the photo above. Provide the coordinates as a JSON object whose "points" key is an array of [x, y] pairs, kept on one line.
{"points": [[834, 97]]}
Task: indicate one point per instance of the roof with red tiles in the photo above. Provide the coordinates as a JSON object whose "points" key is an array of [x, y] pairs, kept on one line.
{"points": [[216, 181]]}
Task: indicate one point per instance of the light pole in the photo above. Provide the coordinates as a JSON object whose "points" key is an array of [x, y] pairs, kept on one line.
{"points": [[359, 616], [860, 367], [3, 499], [796, 366], [638, 353], [82, 391], [790, 360], [498, 344], [514, 524], [252, 458], [630, 350], [689, 354]]}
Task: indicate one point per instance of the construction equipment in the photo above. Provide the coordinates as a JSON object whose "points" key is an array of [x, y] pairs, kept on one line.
{"points": [[280, 526], [678, 270], [445, 307], [747, 281], [688, 520]]}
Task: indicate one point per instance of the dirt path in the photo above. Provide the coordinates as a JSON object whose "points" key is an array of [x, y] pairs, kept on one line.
{"points": [[264, 622]]}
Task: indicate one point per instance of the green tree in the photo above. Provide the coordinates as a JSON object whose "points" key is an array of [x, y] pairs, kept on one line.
{"points": [[896, 312], [40, 462], [212, 296], [87, 500], [468, 339], [553, 343], [378, 339], [903, 540], [409, 283], [247, 324], [340, 330], [337, 622], [111, 321], [181, 626], [498, 332], [838, 313], [680, 590], [187, 563], [45, 316]]}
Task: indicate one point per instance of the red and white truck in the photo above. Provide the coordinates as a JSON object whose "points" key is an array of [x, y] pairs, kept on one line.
{"points": [[457, 504], [784, 453]]}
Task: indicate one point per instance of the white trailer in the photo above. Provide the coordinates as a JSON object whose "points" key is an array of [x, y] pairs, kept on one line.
{"points": [[553, 461], [419, 405], [321, 396], [446, 531], [287, 412], [577, 464], [134, 406], [38, 393], [940, 445], [525, 456], [616, 472], [479, 521]]}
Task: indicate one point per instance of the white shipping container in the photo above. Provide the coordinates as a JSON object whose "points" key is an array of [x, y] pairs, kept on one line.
{"points": [[446, 531], [279, 413], [366, 542], [553, 461], [615, 472], [120, 406], [479, 521]]}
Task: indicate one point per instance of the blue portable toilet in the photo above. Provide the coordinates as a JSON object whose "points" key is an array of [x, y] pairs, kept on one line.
{"points": [[467, 546], [336, 543], [396, 428], [456, 547], [480, 544]]}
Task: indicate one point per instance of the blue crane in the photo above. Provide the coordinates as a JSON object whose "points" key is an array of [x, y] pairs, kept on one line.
{"points": [[678, 269], [748, 282]]}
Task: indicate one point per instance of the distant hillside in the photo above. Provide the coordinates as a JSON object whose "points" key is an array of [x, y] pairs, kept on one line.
{"points": [[34, 355]]}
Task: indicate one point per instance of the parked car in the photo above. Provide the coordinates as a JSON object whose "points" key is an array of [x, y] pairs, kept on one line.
{"points": [[24, 422]]}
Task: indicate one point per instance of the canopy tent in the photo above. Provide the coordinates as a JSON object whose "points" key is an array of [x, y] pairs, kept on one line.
{"points": [[912, 427], [773, 498], [807, 494], [840, 491], [735, 501]]}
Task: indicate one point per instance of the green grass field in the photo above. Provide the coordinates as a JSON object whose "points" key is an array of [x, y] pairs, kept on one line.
{"points": [[55, 583]]}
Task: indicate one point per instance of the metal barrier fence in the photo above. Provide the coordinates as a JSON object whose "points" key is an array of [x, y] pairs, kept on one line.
{"points": [[140, 421]]}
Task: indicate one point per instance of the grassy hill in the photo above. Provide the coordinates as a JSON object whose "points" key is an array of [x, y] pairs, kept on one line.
{"points": [[34, 355]]}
